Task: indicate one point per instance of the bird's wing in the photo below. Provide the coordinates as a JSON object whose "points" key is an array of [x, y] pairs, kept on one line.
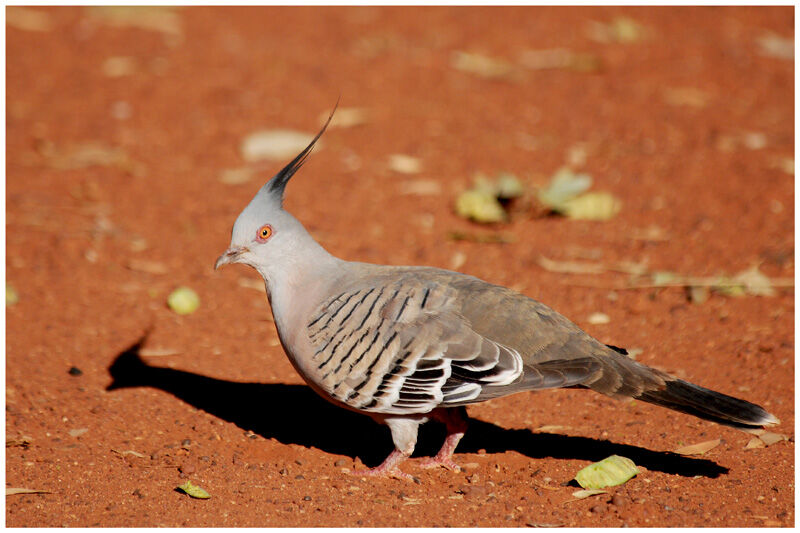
{"points": [[404, 343]]}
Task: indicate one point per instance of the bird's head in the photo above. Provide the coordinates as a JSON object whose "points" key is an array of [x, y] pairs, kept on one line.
{"points": [[263, 229]]}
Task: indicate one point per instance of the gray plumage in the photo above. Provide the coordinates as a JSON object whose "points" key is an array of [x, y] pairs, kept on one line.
{"points": [[406, 344]]}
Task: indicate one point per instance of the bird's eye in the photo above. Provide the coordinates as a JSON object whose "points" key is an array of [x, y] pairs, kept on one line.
{"points": [[264, 233]]}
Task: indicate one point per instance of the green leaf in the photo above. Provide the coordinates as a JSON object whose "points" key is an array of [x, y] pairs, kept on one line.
{"points": [[183, 301], [194, 491], [611, 471], [509, 186], [564, 186]]}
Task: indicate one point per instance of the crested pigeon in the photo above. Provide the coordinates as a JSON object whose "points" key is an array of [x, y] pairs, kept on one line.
{"points": [[408, 344]]}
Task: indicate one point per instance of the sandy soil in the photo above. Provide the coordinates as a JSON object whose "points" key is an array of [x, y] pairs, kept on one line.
{"points": [[118, 133]]}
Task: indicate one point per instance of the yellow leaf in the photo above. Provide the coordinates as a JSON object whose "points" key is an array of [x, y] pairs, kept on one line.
{"points": [[480, 207], [592, 206]]}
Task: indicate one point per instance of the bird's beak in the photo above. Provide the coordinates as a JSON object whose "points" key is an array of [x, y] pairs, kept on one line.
{"points": [[231, 255]]}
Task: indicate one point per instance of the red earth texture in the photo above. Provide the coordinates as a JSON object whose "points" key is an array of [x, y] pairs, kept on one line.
{"points": [[125, 174]]}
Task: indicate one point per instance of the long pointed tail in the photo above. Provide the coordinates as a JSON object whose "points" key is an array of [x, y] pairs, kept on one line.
{"points": [[617, 375], [710, 405]]}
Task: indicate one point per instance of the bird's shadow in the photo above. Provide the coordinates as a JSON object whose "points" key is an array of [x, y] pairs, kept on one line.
{"points": [[294, 414]]}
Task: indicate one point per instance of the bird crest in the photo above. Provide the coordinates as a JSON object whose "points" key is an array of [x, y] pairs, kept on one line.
{"points": [[274, 188]]}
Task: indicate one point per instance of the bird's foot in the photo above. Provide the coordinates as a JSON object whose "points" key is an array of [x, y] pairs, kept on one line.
{"points": [[388, 468], [444, 458], [445, 462]]}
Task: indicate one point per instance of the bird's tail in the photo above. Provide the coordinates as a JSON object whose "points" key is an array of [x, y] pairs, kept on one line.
{"points": [[618, 375], [710, 405]]}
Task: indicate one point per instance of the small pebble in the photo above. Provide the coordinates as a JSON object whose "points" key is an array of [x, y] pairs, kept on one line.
{"points": [[299, 462], [299, 476], [75, 371], [617, 500], [340, 462], [306, 498]]}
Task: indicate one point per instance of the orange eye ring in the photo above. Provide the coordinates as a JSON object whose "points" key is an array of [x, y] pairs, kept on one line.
{"points": [[264, 233]]}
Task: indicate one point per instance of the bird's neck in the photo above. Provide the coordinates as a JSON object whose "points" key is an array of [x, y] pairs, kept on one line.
{"points": [[297, 280]]}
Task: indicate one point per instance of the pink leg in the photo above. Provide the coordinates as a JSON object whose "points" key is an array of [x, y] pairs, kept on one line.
{"points": [[456, 422], [388, 467]]}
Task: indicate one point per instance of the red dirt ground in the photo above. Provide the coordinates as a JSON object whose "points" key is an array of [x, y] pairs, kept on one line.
{"points": [[691, 126]]}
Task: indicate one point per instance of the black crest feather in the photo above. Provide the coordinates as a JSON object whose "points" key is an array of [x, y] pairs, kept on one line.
{"points": [[277, 184]]}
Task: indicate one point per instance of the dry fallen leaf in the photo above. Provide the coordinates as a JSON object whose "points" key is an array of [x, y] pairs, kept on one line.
{"points": [[236, 176], [699, 448], [769, 438], [581, 494], [552, 428], [650, 233], [119, 66], [570, 267], [27, 19], [619, 30], [16, 490], [405, 164], [698, 295], [149, 267], [275, 145], [755, 442], [23, 441], [598, 318], [774, 45], [252, 283], [559, 58], [481, 65], [458, 260], [494, 238], [151, 18], [130, 452], [663, 277], [755, 282], [345, 117], [88, 154]]}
